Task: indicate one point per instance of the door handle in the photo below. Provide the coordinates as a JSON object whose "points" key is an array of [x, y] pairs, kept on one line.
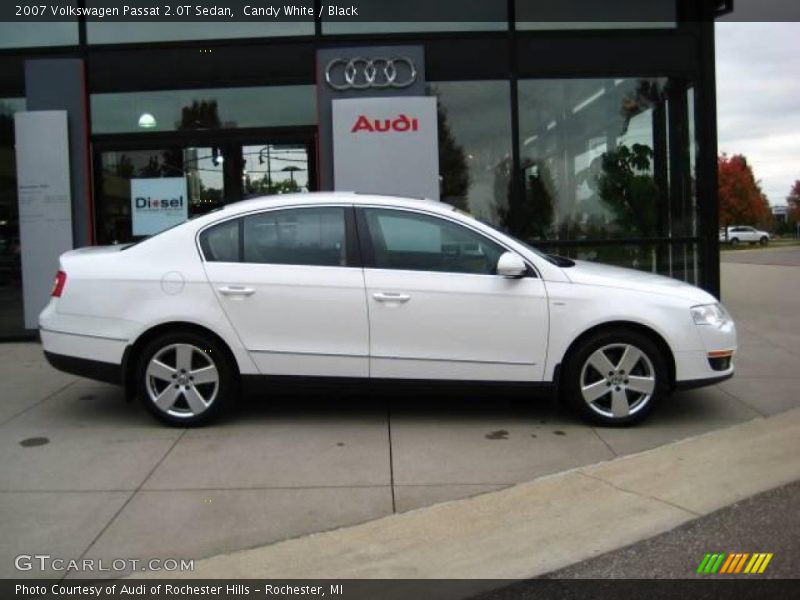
{"points": [[236, 290], [391, 297]]}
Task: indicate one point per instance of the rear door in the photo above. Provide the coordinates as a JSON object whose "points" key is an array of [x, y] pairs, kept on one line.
{"points": [[290, 283]]}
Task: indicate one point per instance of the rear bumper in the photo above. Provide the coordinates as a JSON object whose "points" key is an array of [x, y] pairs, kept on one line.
{"points": [[85, 367]]}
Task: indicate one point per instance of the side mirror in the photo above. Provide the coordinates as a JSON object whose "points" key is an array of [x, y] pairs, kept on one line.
{"points": [[511, 265]]}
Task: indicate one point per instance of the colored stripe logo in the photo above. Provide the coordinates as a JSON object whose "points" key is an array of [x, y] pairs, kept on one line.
{"points": [[734, 563]]}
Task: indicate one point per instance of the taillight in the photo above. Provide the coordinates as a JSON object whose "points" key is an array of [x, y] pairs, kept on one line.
{"points": [[58, 284]]}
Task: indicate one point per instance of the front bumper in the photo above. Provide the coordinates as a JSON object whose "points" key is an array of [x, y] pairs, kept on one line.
{"points": [[697, 368]]}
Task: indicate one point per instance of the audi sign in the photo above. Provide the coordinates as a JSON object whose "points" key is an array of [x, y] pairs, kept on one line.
{"points": [[359, 73]]}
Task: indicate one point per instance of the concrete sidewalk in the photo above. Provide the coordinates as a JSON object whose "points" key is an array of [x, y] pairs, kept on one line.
{"points": [[535, 528]]}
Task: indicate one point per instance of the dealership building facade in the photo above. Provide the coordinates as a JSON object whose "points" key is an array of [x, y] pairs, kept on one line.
{"points": [[593, 137]]}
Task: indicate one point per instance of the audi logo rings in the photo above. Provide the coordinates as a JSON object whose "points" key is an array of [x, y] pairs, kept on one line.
{"points": [[359, 73]]}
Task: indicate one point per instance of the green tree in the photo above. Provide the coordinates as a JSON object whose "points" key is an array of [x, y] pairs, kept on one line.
{"points": [[628, 189], [453, 168], [528, 215]]}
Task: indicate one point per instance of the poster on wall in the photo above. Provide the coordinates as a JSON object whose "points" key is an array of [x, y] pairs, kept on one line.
{"points": [[158, 203], [386, 146], [45, 207]]}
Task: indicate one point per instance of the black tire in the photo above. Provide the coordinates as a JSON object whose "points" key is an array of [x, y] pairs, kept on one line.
{"points": [[734, 241], [615, 387], [764, 241], [209, 399]]}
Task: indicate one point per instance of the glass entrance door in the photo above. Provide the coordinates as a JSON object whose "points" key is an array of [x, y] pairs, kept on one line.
{"points": [[133, 182]]}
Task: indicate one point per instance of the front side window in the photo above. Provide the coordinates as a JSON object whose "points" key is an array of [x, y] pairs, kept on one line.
{"points": [[417, 242], [298, 236]]}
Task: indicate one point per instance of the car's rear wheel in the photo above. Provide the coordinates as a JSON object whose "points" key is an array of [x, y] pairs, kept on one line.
{"points": [[186, 378], [615, 378], [734, 241]]}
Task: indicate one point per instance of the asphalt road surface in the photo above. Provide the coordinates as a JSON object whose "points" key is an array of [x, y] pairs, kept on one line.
{"points": [[768, 522], [788, 256], [665, 566]]}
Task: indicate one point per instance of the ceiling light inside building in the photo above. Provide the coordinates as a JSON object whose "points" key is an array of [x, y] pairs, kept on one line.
{"points": [[147, 121]]}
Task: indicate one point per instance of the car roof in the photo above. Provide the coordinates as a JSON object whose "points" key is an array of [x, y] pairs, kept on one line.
{"points": [[316, 198]]}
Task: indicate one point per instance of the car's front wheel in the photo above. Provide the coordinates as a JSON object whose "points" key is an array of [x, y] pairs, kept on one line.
{"points": [[764, 240], [185, 378], [615, 378]]}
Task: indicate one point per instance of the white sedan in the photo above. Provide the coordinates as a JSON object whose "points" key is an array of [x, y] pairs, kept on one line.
{"points": [[342, 287]]}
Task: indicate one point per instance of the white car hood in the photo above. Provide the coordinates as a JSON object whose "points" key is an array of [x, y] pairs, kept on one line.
{"points": [[590, 273]]}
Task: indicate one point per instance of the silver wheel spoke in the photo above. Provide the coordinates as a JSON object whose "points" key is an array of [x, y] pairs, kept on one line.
{"points": [[630, 357], [167, 398], [595, 391], [194, 399], [619, 403], [159, 370], [183, 357], [600, 362], [205, 375], [180, 397], [643, 385]]}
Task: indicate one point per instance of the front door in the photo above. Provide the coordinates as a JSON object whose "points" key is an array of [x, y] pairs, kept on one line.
{"points": [[436, 308]]}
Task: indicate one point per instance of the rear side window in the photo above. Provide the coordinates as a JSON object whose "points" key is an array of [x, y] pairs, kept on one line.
{"points": [[221, 242], [296, 236]]}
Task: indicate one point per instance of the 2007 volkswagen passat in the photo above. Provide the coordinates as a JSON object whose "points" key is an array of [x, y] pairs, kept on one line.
{"points": [[347, 286]]}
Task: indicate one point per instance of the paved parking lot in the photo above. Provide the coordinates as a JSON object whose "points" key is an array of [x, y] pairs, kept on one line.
{"points": [[86, 475]]}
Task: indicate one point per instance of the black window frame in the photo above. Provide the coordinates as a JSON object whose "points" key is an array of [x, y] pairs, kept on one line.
{"points": [[352, 247], [368, 250]]}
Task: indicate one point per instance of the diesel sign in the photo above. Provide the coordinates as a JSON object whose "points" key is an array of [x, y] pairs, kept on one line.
{"points": [[158, 203]]}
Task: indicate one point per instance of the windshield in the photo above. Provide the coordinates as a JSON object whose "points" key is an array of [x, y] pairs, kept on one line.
{"points": [[558, 261]]}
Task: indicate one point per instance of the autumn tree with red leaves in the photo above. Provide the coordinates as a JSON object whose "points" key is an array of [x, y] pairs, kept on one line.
{"points": [[741, 201]]}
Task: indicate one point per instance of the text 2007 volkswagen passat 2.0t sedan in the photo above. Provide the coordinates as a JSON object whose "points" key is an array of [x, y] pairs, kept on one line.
{"points": [[342, 287]]}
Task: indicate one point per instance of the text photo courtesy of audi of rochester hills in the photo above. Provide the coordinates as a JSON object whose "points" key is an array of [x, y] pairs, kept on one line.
{"points": [[490, 299]]}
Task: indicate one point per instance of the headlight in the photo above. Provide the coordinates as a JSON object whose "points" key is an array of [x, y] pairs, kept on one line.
{"points": [[710, 314]]}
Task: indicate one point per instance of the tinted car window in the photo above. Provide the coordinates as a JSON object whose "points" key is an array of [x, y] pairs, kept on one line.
{"points": [[297, 236], [417, 242], [221, 242]]}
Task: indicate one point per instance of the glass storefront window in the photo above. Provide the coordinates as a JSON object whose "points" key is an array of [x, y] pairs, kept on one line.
{"points": [[213, 176], [180, 110], [201, 167], [587, 159], [127, 33], [38, 34], [274, 169], [11, 316], [595, 14], [475, 145], [606, 159]]}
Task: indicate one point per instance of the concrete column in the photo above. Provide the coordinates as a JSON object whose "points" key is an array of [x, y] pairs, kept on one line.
{"points": [[60, 84]]}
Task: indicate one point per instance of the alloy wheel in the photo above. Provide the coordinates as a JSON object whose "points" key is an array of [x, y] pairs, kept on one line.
{"points": [[182, 380], [617, 380]]}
